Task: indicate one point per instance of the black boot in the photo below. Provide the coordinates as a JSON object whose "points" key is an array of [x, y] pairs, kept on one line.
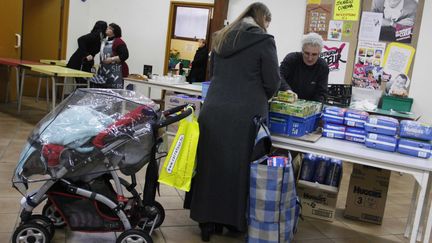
{"points": [[206, 230], [219, 229]]}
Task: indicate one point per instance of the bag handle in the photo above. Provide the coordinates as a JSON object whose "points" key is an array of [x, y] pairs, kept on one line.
{"points": [[263, 144]]}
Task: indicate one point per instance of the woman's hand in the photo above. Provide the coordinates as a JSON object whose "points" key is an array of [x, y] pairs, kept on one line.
{"points": [[110, 60], [89, 57]]}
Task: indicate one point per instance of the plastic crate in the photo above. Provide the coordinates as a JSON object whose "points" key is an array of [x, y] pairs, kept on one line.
{"points": [[338, 101], [339, 90], [396, 103], [292, 125], [205, 87]]}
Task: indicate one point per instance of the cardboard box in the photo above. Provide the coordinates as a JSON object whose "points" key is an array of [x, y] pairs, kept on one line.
{"points": [[172, 101], [367, 194], [317, 200]]}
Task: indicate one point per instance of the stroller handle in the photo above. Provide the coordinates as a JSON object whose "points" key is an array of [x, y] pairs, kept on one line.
{"points": [[174, 110], [173, 118]]}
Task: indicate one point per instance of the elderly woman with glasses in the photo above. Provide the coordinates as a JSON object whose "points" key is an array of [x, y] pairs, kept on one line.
{"points": [[305, 73]]}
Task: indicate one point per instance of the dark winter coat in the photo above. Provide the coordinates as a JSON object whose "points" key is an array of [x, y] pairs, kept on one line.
{"points": [[88, 44], [245, 75], [199, 65]]}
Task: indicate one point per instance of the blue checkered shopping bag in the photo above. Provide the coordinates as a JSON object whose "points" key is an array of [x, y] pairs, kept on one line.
{"points": [[274, 207]]}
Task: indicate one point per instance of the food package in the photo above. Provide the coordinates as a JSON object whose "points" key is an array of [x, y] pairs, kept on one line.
{"points": [[416, 130], [355, 118], [382, 125], [286, 96], [355, 134]]}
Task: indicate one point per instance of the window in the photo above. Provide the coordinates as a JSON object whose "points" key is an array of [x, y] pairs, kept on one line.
{"points": [[191, 23]]}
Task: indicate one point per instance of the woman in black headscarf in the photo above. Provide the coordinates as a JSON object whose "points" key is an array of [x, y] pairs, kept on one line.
{"points": [[88, 46]]}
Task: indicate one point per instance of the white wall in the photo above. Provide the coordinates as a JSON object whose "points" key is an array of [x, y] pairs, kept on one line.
{"points": [[144, 26], [421, 86], [287, 24]]}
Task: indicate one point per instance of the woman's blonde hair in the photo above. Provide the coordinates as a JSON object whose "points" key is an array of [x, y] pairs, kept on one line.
{"points": [[258, 11]]}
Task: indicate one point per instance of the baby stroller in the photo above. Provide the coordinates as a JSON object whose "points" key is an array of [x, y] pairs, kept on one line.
{"points": [[72, 159]]}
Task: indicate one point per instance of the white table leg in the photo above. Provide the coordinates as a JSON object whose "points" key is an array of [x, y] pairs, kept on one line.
{"points": [[7, 84], [38, 89], [47, 92], [412, 210], [17, 74], [428, 226], [63, 88], [420, 203], [53, 92], [20, 85]]}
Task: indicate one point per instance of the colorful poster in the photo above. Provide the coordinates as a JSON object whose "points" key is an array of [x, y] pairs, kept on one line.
{"points": [[335, 53], [368, 65], [317, 19], [398, 19], [346, 10], [347, 29], [335, 30], [370, 26], [398, 58]]}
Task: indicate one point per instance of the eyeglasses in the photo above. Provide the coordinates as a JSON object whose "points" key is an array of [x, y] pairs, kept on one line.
{"points": [[310, 54]]}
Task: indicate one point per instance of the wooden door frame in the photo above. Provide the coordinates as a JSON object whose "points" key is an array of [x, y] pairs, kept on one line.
{"points": [[64, 29], [170, 30]]}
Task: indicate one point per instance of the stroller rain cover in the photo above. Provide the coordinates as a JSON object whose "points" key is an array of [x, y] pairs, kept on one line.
{"points": [[112, 127]]}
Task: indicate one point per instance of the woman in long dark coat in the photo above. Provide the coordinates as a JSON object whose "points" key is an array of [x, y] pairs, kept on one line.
{"points": [[199, 63], [88, 46], [245, 75]]}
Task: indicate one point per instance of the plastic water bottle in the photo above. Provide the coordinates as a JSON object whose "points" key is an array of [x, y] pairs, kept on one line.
{"points": [[308, 167], [334, 173], [321, 169]]}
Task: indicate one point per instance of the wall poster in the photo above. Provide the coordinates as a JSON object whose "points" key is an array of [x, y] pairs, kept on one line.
{"points": [[370, 26], [335, 30], [317, 19], [346, 10], [335, 53], [368, 68], [398, 19]]}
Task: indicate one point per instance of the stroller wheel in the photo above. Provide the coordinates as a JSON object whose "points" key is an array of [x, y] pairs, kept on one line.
{"points": [[50, 211], [31, 233], [134, 236], [152, 215], [45, 222]]}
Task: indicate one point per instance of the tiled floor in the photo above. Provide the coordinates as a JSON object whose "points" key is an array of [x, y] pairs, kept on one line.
{"points": [[178, 227]]}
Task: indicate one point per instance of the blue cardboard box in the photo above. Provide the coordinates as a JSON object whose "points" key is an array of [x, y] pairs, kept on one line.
{"points": [[416, 130], [355, 134], [381, 142], [414, 148], [334, 131], [354, 118], [382, 125]]}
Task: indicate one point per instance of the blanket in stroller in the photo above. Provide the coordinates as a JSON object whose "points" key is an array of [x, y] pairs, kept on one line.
{"points": [[90, 132]]}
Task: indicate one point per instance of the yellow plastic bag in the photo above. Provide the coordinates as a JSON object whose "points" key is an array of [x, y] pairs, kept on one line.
{"points": [[179, 164]]}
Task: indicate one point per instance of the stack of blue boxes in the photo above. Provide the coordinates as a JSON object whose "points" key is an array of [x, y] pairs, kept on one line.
{"points": [[344, 124], [382, 131], [333, 118], [415, 139]]}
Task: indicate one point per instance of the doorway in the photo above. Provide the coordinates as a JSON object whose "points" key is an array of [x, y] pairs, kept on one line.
{"points": [[188, 22], [35, 30]]}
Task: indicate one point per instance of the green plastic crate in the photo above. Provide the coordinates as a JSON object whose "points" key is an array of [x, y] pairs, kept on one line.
{"points": [[396, 103]]}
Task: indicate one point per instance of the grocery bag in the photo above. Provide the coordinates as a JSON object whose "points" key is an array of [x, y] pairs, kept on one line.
{"points": [[274, 207], [179, 164]]}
